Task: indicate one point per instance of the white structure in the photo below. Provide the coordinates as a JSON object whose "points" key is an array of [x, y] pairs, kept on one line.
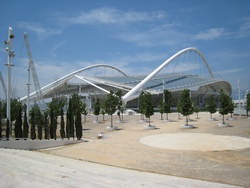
{"points": [[95, 83]]}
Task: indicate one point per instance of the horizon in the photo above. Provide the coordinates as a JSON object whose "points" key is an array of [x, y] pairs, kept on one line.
{"points": [[135, 37]]}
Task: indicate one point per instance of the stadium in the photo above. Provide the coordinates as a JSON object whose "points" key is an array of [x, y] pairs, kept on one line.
{"points": [[187, 69]]}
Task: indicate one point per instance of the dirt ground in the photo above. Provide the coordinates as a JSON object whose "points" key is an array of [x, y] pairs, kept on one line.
{"points": [[122, 148]]}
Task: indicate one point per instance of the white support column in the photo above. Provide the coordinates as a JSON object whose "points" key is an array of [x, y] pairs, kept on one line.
{"points": [[9, 65]]}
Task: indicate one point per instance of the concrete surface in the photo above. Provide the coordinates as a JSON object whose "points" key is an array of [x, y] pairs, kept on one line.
{"points": [[24, 169]]}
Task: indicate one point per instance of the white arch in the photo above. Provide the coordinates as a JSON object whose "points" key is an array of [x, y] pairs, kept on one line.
{"points": [[56, 83], [138, 86]]}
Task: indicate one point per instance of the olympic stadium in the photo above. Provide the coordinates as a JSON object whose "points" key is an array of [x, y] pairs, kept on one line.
{"points": [[187, 69]]}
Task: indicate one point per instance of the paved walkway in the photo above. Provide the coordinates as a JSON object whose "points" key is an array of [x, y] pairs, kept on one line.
{"points": [[21, 168]]}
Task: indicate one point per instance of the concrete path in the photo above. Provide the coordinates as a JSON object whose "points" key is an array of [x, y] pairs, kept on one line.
{"points": [[21, 168]]}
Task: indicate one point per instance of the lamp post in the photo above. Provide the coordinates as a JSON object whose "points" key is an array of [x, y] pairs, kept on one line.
{"points": [[9, 65]]}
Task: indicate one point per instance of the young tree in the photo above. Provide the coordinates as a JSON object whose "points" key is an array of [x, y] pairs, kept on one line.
{"points": [[84, 111], [186, 104], [248, 103], [78, 125], [179, 108], [110, 105], [167, 102], [120, 106], [211, 106], [102, 111], [231, 106], [149, 107], [224, 100], [97, 108], [62, 130], [67, 125], [196, 110], [54, 124], [142, 104], [51, 124], [40, 130], [161, 109]]}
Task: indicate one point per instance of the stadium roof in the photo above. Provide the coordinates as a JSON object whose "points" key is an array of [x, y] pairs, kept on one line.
{"points": [[155, 82]]}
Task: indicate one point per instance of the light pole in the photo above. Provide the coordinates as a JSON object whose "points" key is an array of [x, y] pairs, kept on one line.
{"points": [[9, 65]]}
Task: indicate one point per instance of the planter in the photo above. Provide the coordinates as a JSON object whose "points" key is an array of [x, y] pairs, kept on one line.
{"points": [[211, 119], [151, 127], [109, 128], [167, 120], [223, 125], [185, 126]]}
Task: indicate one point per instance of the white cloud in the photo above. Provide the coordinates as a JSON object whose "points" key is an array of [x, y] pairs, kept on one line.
{"points": [[113, 16], [210, 34], [38, 29]]}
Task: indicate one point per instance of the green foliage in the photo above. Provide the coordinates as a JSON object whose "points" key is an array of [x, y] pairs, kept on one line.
{"points": [[1, 119], [78, 125], [84, 111], [97, 107], [168, 99], [120, 106], [56, 104], [18, 123], [25, 123], [211, 105], [247, 107], [67, 125], [110, 104], [40, 130], [33, 126], [224, 108], [46, 125], [161, 108], [186, 106], [142, 103], [62, 130], [231, 106], [51, 127], [149, 105]]}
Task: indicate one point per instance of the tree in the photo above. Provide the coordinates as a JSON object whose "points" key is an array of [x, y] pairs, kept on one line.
{"points": [[40, 130], [142, 105], [149, 106], [161, 109], [46, 125], [231, 106], [78, 125], [25, 123], [1, 118], [84, 111], [196, 110], [18, 123], [102, 111], [248, 103], [179, 108], [62, 130], [167, 102], [186, 106], [33, 126], [67, 125], [97, 108], [110, 105], [54, 125], [120, 105], [224, 101], [51, 124], [211, 106]]}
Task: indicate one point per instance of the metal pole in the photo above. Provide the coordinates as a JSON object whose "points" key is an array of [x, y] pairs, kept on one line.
{"points": [[9, 65]]}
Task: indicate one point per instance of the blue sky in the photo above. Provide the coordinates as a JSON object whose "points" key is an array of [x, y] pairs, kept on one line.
{"points": [[135, 36]]}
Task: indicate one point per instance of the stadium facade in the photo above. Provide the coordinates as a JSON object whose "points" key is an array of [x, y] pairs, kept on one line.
{"points": [[95, 85]]}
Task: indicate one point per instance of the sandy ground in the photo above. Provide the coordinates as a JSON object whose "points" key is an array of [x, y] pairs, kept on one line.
{"points": [[207, 152]]}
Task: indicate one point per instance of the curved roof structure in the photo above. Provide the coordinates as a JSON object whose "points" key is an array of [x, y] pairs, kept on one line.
{"points": [[155, 82]]}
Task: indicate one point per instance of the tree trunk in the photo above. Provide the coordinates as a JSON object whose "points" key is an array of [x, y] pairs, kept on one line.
{"points": [[186, 120], [223, 122], [149, 122], [111, 121]]}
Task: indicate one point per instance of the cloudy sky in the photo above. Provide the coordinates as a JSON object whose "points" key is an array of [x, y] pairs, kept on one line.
{"points": [[135, 36]]}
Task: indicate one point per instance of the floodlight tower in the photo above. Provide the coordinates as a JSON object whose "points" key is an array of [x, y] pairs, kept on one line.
{"points": [[9, 65]]}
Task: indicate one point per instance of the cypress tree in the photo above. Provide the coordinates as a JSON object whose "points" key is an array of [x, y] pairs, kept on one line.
{"points": [[54, 124], [62, 130], [7, 129], [97, 108], [40, 130], [33, 128], [25, 125], [248, 103], [78, 125], [18, 123], [1, 117], [161, 109], [67, 125], [51, 124], [46, 126]]}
